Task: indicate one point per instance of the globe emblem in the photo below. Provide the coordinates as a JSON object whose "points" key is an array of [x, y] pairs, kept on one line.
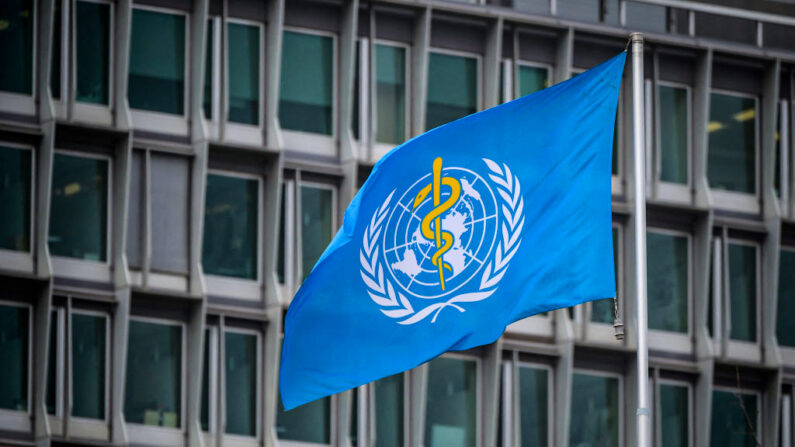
{"points": [[429, 262]]}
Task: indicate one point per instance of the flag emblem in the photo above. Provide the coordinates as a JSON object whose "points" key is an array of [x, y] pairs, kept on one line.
{"points": [[444, 241]]}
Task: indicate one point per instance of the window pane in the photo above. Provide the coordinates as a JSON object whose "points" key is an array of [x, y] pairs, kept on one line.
{"points": [[356, 104], [786, 299], [390, 88], [723, 27], [153, 388], [603, 311], [532, 79], [353, 429], [732, 143], [668, 282], [534, 406], [389, 411], [674, 117], [742, 291], [241, 384], [16, 44], [50, 397], [646, 17], [204, 412], [594, 411], [538, 7], [55, 65], [157, 62], [452, 88], [14, 352], [675, 415], [88, 366], [230, 227], [169, 212], [135, 211], [316, 225], [79, 207], [451, 405], [307, 83], [582, 10], [15, 167], [93, 51], [309, 423], [280, 255], [207, 100], [243, 73], [730, 419]]}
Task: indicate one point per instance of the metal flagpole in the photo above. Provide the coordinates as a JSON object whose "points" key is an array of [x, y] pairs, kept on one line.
{"points": [[643, 413]]}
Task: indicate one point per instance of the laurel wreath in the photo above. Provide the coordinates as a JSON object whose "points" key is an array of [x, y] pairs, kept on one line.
{"points": [[395, 305]]}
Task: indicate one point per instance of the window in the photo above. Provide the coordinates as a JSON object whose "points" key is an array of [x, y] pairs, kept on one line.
{"points": [[604, 311], [15, 328], [231, 226], [310, 422], [207, 96], [389, 408], [242, 367], [16, 44], [169, 212], [452, 402], [534, 406], [742, 292], [79, 207], [89, 363], [153, 389], [595, 412], [668, 261], [208, 391], [674, 133], [731, 164], [786, 298], [57, 42], [92, 45], [390, 88], [532, 79], [157, 62], [53, 391], [735, 419], [15, 198], [452, 88], [317, 224], [244, 73], [307, 83], [674, 408]]}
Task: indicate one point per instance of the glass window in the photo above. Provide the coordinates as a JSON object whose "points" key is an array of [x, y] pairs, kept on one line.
{"points": [[389, 411], [786, 299], [241, 383], [231, 226], [674, 415], [594, 411], [316, 224], [16, 44], [735, 418], [742, 292], [153, 388], [79, 207], [582, 10], [88, 366], [157, 62], [169, 212], [604, 311], [451, 404], [308, 423], [390, 90], [50, 396], [15, 169], [244, 80], [674, 118], [534, 406], [92, 33], [307, 83], [204, 412], [668, 267], [55, 65], [452, 88], [538, 7], [723, 27], [282, 236], [207, 99], [647, 17], [532, 79], [14, 333], [732, 143]]}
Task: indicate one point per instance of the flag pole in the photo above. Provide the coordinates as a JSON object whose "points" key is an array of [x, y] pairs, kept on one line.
{"points": [[643, 413]]}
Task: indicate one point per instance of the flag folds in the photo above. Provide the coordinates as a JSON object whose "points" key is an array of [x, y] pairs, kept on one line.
{"points": [[459, 232]]}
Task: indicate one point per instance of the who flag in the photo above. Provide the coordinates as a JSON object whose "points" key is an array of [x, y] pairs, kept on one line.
{"points": [[459, 232]]}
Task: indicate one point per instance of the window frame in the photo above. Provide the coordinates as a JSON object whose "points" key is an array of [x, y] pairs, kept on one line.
{"points": [[516, 402], [258, 429], [23, 260], [620, 378], [21, 103], [370, 418], [759, 405], [457, 53], [518, 64], [691, 432], [739, 348], [214, 40], [669, 190], [21, 420], [380, 148], [86, 427], [299, 208], [98, 113], [479, 387], [246, 133]]}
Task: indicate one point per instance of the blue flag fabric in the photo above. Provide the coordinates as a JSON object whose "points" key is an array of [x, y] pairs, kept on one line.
{"points": [[459, 232]]}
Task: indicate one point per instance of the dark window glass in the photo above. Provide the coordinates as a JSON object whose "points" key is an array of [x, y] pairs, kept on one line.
{"points": [[646, 17], [280, 260], [308, 423], [668, 265], [241, 383], [231, 227], [735, 419], [786, 299], [92, 33], [15, 170], [307, 83], [451, 404], [777, 157], [452, 88], [204, 412], [14, 345], [539, 7], [356, 103], [207, 100], [532, 79], [16, 46], [742, 292], [390, 67], [55, 64], [725, 28], [316, 225], [581, 10], [674, 415], [88, 366], [244, 51], [157, 62], [389, 411], [778, 36], [79, 207], [594, 411], [50, 397], [534, 406], [153, 387], [732, 143], [674, 116]]}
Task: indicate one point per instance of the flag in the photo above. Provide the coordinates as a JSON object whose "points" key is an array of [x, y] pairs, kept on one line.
{"points": [[459, 232]]}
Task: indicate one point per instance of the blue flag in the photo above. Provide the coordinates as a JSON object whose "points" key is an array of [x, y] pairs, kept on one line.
{"points": [[459, 232]]}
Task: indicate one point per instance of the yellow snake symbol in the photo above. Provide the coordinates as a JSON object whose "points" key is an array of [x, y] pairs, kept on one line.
{"points": [[443, 239]]}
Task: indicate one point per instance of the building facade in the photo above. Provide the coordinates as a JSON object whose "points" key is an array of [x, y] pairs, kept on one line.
{"points": [[170, 170]]}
